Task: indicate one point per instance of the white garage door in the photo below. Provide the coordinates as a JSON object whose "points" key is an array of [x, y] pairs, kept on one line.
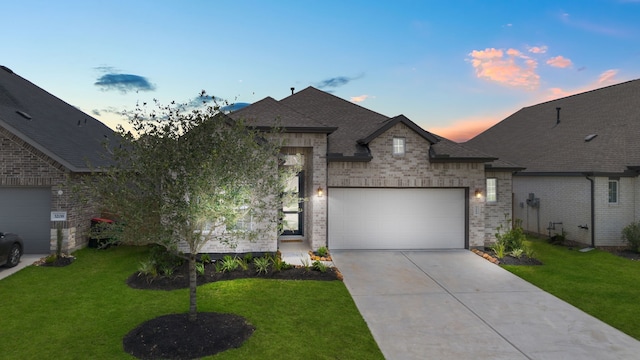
{"points": [[396, 218], [27, 212]]}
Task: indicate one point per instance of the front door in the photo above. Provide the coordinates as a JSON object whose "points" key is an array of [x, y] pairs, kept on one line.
{"points": [[292, 205]]}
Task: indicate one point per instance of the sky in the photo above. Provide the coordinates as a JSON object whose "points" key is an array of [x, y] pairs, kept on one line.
{"points": [[453, 67]]}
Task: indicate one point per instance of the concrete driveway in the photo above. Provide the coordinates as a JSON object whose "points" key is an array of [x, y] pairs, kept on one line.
{"points": [[456, 305]]}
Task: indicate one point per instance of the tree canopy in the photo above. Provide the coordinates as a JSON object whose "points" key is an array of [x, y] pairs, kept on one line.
{"points": [[181, 178]]}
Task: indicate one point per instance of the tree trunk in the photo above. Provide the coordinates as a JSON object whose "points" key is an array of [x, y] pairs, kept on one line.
{"points": [[193, 285]]}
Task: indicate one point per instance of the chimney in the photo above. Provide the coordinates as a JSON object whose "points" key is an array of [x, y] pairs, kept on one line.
{"points": [[292, 89], [558, 115]]}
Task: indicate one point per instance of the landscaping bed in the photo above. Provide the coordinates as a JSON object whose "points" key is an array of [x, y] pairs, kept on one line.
{"points": [[180, 278]]}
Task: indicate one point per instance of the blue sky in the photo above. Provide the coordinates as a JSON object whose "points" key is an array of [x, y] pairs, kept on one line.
{"points": [[453, 67]]}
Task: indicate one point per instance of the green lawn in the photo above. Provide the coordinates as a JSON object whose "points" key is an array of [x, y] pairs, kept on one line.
{"points": [[83, 311], [601, 284]]}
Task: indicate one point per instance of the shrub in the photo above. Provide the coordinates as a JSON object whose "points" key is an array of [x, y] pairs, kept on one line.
{"points": [[166, 270], [322, 251], [219, 266], [200, 268], [517, 253], [510, 239], [248, 257], [147, 267], [262, 264], [205, 258], [229, 263], [305, 263], [320, 266], [498, 249], [279, 264], [163, 258], [243, 263], [528, 251], [631, 234]]}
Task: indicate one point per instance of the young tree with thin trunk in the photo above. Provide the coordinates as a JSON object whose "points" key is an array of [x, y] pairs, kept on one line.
{"points": [[188, 177]]}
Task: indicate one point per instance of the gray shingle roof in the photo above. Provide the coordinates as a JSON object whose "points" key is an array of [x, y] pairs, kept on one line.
{"points": [[350, 126], [54, 127], [532, 137]]}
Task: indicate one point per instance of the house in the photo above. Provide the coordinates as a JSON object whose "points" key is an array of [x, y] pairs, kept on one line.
{"points": [[45, 148], [375, 182], [582, 160]]}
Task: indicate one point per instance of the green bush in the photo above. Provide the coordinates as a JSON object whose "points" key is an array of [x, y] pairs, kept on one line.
{"points": [[320, 266], [322, 251], [200, 268], [163, 258], [510, 242], [229, 263], [631, 234], [262, 264]]}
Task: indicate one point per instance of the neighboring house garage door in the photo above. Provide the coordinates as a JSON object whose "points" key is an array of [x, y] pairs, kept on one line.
{"points": [[27, 212], [396, 218]]}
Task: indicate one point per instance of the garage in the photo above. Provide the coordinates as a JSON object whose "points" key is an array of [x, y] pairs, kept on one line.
{"points": [[382, 218], [27, 212]]}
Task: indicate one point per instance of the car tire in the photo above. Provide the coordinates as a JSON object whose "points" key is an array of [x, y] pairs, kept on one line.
{"points": [[14, 256]]}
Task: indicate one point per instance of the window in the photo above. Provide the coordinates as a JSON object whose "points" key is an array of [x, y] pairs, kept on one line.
{"points": [[292, 205], [398, 146], [613, 191], [492, 190], [245, 221]]}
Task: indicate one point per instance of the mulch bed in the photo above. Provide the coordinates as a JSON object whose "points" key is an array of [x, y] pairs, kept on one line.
{"points": [[180, 279], [61, 261], [506, 260], [175, 337]]}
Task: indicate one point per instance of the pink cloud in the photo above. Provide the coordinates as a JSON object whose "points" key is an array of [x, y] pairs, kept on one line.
{"points": [[361, 98], [538, 49], [509, 67], [605, 79], [560, 62]]}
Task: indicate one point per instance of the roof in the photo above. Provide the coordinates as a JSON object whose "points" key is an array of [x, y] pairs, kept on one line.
{"points": [[59, 130], [533, 137], [351, 127]]}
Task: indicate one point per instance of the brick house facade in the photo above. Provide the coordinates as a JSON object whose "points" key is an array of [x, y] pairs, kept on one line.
{"points": [[580, 162], [45, 147]]}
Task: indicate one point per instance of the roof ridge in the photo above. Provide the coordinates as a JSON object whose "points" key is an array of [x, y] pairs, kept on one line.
{"points": [[584, 92]]}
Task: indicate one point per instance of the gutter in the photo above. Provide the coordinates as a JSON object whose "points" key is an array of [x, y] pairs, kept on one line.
{"points": [[593, 212]]}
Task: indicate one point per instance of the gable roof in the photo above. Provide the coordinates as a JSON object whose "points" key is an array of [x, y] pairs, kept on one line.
{"points": [[533, 137], [59, 130], [351, 127]]}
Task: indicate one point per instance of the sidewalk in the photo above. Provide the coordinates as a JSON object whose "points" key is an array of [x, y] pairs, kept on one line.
{"points": [[26, 260]]}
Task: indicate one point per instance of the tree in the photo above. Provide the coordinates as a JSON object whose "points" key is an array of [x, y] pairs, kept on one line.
{"points": [[187, 177]]}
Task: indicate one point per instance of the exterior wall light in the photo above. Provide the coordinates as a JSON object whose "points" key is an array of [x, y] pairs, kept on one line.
{"points": [[320, 191], [478, 193]]}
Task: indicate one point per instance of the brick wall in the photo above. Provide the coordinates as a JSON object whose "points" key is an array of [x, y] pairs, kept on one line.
{"points": [[23, 165], [565, 199], [414, 170], [612, 218], [496, 213]]}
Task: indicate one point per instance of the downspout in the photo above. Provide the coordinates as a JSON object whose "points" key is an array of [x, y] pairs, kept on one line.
{"points": [[593, 212]]}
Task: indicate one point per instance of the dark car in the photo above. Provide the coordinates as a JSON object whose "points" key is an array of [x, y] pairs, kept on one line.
{"points": [[10, 249]]}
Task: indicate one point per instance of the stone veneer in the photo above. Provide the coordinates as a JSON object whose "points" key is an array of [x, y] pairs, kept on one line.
{"points": [[313, 148]]}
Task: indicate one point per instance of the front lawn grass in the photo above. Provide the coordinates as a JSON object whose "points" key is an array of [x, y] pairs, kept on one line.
{"points": [[83, 311], [599, 283]]}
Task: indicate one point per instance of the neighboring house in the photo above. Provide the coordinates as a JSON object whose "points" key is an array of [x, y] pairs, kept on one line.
{"points": [[582, 160], [374, 182], [43, 143]]}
